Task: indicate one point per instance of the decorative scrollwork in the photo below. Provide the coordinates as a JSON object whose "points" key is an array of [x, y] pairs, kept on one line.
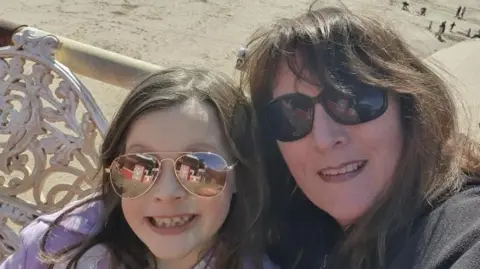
{"points": [[8, 237], [49, 126], [36, 42]]}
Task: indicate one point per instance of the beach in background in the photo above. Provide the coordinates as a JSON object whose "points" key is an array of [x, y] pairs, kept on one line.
{"points": [[207, 33]]}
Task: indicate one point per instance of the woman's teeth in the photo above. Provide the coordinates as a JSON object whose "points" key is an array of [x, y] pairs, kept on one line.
{"points": [[171, 222], [352, 167]]}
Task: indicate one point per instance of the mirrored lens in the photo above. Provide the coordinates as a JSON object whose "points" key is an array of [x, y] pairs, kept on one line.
{"points": [[133, 174], [202, 173], [290, 117]]}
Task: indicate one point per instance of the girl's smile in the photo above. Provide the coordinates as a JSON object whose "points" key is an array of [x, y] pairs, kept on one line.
{"points": [[173, 225]]}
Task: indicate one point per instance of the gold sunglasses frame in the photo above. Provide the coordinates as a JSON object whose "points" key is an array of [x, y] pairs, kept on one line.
{"points": [[160, 161]]}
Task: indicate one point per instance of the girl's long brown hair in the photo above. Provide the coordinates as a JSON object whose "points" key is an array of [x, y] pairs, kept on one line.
{"points": [[238, 238], [434, 159]]}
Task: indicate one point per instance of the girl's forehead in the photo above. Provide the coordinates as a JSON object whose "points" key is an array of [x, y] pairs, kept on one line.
{"points": [[191, 126]]}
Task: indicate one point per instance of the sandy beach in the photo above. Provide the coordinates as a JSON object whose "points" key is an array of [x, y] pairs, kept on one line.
{"points": [[207, 32]]}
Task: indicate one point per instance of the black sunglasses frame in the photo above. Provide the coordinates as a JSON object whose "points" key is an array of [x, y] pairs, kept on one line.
{"points": [[320, 99]]}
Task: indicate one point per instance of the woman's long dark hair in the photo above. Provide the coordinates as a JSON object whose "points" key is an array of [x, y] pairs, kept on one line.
{"points": [[433, 160], [239, 236]]}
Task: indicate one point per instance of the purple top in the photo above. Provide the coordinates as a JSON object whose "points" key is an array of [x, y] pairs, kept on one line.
{"points": [[81, 222]]}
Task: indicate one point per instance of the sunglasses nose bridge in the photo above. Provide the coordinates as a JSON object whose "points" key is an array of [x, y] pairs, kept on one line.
{"points": [[166, 159], [167, 186], [161, 161], [318, 99]]}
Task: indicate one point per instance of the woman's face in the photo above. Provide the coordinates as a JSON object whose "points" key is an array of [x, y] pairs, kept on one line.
{"points": [[320, 161], [190, 127]]}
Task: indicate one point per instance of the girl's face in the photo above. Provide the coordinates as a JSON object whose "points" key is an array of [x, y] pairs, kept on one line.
{"points": [[162, 217]]}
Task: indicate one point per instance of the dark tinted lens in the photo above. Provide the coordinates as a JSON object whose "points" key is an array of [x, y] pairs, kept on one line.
{"points": [[363, 105], [202, 173], [290, 117], [133, 174]]}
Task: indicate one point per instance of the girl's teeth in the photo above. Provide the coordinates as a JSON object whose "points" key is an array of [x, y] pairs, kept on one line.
{"points": [[172, 222]]}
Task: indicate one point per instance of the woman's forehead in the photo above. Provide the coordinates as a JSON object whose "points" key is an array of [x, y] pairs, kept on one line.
{"points": [[286, 81]]}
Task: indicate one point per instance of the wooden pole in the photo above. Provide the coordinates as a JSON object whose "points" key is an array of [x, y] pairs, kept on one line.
{"points": [[7, 29]]}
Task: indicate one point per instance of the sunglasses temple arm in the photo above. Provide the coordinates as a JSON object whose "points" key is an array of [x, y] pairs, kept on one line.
{"points": [[230, 167]]}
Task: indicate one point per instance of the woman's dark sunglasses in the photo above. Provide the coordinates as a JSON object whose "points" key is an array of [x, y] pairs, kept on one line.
{"points": [[290, 117], [200, 173]]}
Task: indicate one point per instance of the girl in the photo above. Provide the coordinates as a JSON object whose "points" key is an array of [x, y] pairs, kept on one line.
{"points": [[180, 186], [363, 155]]}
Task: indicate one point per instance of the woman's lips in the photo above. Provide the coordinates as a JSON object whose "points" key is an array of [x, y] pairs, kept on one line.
{"points": [[343, 173]]}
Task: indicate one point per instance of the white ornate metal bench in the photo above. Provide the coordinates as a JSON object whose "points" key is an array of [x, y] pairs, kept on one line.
{"points": [[50, 125]]}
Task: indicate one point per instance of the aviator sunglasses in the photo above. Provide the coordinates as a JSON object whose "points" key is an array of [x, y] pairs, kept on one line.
{"points": [[290, 117], [200, 173]]}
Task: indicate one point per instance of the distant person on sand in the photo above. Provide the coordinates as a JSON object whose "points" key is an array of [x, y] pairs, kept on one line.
{"points": [[441, 30], [423, 11], [459, 9], [405, 5], [463, 12], [452, 26], [430, 26]]}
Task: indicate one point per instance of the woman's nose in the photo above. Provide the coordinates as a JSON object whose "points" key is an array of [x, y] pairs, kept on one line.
{"points": [[327, 133]]}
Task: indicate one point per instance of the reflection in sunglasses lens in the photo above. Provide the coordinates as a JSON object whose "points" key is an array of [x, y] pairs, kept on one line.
{"points": [[133, 174], [290, 117], [203, 174]]}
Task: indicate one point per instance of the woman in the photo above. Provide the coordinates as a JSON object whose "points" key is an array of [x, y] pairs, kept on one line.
{"points": [[363, 155]]}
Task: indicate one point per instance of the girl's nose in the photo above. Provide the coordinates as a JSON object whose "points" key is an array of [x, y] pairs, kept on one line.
{"points": [[167, 187]]}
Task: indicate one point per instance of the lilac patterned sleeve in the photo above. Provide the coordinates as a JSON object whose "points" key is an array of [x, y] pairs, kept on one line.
{"points": [[77, 225], [17, 260]]}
